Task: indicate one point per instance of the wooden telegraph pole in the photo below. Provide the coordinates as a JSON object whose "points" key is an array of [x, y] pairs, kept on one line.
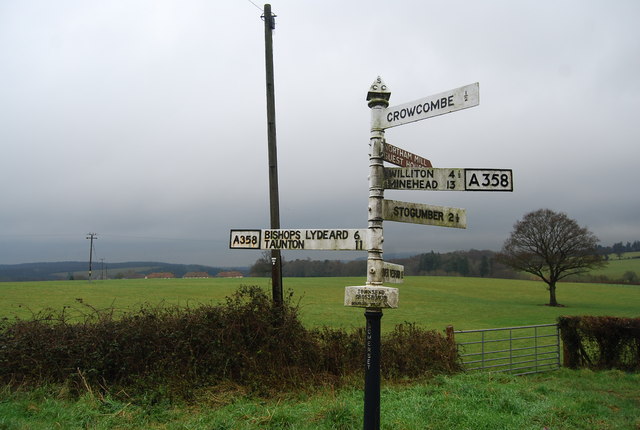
{"points": [[274, 199], [91, 237]]}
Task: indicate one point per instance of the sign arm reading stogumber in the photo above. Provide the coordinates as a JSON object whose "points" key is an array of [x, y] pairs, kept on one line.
{"points": [[417, 213]]}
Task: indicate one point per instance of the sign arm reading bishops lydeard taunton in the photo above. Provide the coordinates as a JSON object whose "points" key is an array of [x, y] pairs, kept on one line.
{"points": [[301, 239]]}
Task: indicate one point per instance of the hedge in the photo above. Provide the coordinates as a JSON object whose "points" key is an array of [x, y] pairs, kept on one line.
{"points": [[601, 342], [247, 341]]}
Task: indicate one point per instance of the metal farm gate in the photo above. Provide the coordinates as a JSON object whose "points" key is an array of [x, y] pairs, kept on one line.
{"points": [[515, 350]]}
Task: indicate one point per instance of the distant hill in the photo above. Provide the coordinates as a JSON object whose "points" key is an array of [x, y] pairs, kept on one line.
{"points": [[80, 270]]}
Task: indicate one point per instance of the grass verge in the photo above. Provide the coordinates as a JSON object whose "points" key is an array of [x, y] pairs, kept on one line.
{"points": [[564, 399]]}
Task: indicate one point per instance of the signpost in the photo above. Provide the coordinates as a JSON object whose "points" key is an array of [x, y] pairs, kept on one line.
{"points": [[373, 296], [414, 173]]}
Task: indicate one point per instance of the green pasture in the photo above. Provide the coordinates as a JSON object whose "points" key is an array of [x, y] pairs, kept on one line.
{"points": [[563, 399], [616, 267], [430, 301]]}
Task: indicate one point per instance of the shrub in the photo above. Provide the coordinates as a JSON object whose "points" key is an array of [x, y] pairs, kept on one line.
{"points": [[411, 351], [341, 352], [247, 341]]}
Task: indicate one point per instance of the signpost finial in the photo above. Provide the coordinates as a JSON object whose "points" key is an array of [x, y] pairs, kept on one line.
{"points": [[378, 93]]}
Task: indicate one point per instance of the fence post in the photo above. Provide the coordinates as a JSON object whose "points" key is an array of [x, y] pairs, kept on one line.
{"points": [[558, 344], [451, 335], [455, 361]]}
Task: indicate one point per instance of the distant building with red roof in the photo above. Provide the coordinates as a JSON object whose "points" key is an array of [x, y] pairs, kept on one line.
{"points": [[231, 274]]}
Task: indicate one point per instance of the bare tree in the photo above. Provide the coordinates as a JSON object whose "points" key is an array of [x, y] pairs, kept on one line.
{"points": [[262, 266], [551, 246]]}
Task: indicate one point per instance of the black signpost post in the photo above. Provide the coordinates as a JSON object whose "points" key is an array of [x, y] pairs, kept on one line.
{"points": [[372, 370]]}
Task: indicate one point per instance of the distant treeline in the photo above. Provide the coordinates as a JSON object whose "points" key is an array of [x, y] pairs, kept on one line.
{"points": [[474, 263], [460, 263], [619, 248], [76, 270]]}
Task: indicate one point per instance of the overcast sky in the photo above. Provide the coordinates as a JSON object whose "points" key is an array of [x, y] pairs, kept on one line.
{"points": [[145, 121]]}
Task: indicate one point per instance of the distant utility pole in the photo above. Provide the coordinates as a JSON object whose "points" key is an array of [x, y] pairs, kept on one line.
{"points": [[276, 261], [91, 236]]}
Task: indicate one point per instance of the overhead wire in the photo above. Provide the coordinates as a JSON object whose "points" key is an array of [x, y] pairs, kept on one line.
{"points": [[258, 7]]}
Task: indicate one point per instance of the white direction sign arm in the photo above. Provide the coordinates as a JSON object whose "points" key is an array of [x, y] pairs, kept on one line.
{"points": [[301, 239], [392, 273], [447, 179], [438, 104], [417, 213]]}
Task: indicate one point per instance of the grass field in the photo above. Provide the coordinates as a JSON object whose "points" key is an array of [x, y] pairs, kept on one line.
{"points": [[432, 302], [616, 267], [562, 399]]}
